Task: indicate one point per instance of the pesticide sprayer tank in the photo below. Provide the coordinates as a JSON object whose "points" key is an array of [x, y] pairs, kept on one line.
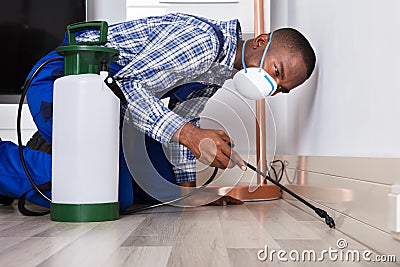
{"points": [[86, 119]]}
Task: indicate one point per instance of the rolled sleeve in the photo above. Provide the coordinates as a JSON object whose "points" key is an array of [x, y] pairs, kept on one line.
{"points": [[187, 175]]}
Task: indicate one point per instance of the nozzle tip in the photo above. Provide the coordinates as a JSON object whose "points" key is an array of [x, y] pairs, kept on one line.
{"points": [[330, 222]]}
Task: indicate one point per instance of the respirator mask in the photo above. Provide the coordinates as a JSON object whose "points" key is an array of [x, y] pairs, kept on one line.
{"points": [[255, 83]]}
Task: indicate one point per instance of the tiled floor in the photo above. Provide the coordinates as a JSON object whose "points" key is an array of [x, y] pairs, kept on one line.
{"points": [[169, 236]]}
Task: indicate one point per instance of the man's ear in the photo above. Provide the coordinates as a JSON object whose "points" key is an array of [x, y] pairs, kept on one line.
{"points": [[261, 40]]}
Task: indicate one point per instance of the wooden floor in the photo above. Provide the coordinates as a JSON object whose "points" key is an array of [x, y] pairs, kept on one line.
{"points": [[169, 236]]}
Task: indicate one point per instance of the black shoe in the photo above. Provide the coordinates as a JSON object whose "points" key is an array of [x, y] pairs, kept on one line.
{"points": [[37, 142], [6, 200]]}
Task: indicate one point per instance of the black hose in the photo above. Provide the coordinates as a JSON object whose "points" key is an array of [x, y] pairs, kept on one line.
{"points": [[197, 190], [278, 179], [20, 146]]}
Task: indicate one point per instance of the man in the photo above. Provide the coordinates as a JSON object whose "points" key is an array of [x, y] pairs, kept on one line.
{"points": [[159, 56]]}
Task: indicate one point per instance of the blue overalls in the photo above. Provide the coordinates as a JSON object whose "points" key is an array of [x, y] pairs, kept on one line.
{"points": [[13, 181]]}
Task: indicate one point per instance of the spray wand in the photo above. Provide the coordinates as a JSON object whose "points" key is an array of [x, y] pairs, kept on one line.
{"points": [[321, 213]]}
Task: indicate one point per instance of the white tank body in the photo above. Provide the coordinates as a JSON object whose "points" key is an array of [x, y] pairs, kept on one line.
{"points": [[85, 140]]}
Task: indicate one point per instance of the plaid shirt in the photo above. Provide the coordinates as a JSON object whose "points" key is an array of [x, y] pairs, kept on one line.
{"points": [[156, 54]]}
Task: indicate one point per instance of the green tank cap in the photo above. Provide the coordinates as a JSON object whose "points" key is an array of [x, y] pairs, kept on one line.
{"points": [[87, 57]]}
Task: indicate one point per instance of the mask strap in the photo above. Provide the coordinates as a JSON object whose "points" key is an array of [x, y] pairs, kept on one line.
{"points": [[265, 51], [244, 63]]}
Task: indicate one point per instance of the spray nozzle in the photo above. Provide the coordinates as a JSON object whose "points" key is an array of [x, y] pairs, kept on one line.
{"points": [[328, 219]]}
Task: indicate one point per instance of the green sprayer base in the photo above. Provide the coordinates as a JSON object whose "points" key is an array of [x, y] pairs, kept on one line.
{"points": [[84, 212]]}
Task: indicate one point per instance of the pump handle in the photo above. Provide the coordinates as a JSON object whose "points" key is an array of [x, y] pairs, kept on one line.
{"points": [[102, 26]]}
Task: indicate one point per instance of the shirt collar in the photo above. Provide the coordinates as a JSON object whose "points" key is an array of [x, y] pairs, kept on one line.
{"points": [[232, 33]]}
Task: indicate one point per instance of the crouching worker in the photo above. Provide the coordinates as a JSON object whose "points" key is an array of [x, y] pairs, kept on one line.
{"points": [[157, 54]]}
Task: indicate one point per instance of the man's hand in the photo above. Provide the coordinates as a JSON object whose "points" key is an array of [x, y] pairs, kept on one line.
{"points": [[226, 200], [211, 147]]}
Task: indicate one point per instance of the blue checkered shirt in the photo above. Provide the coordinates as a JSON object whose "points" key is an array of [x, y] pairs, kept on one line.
{"points": [[156, 54]]}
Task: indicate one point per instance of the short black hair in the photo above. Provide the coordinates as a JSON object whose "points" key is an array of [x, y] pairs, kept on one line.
{"points": [[293, 39]]}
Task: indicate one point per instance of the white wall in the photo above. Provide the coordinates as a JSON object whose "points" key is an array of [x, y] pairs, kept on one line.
{"points": [[350, 106], [112, 11], [217, 9]]}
